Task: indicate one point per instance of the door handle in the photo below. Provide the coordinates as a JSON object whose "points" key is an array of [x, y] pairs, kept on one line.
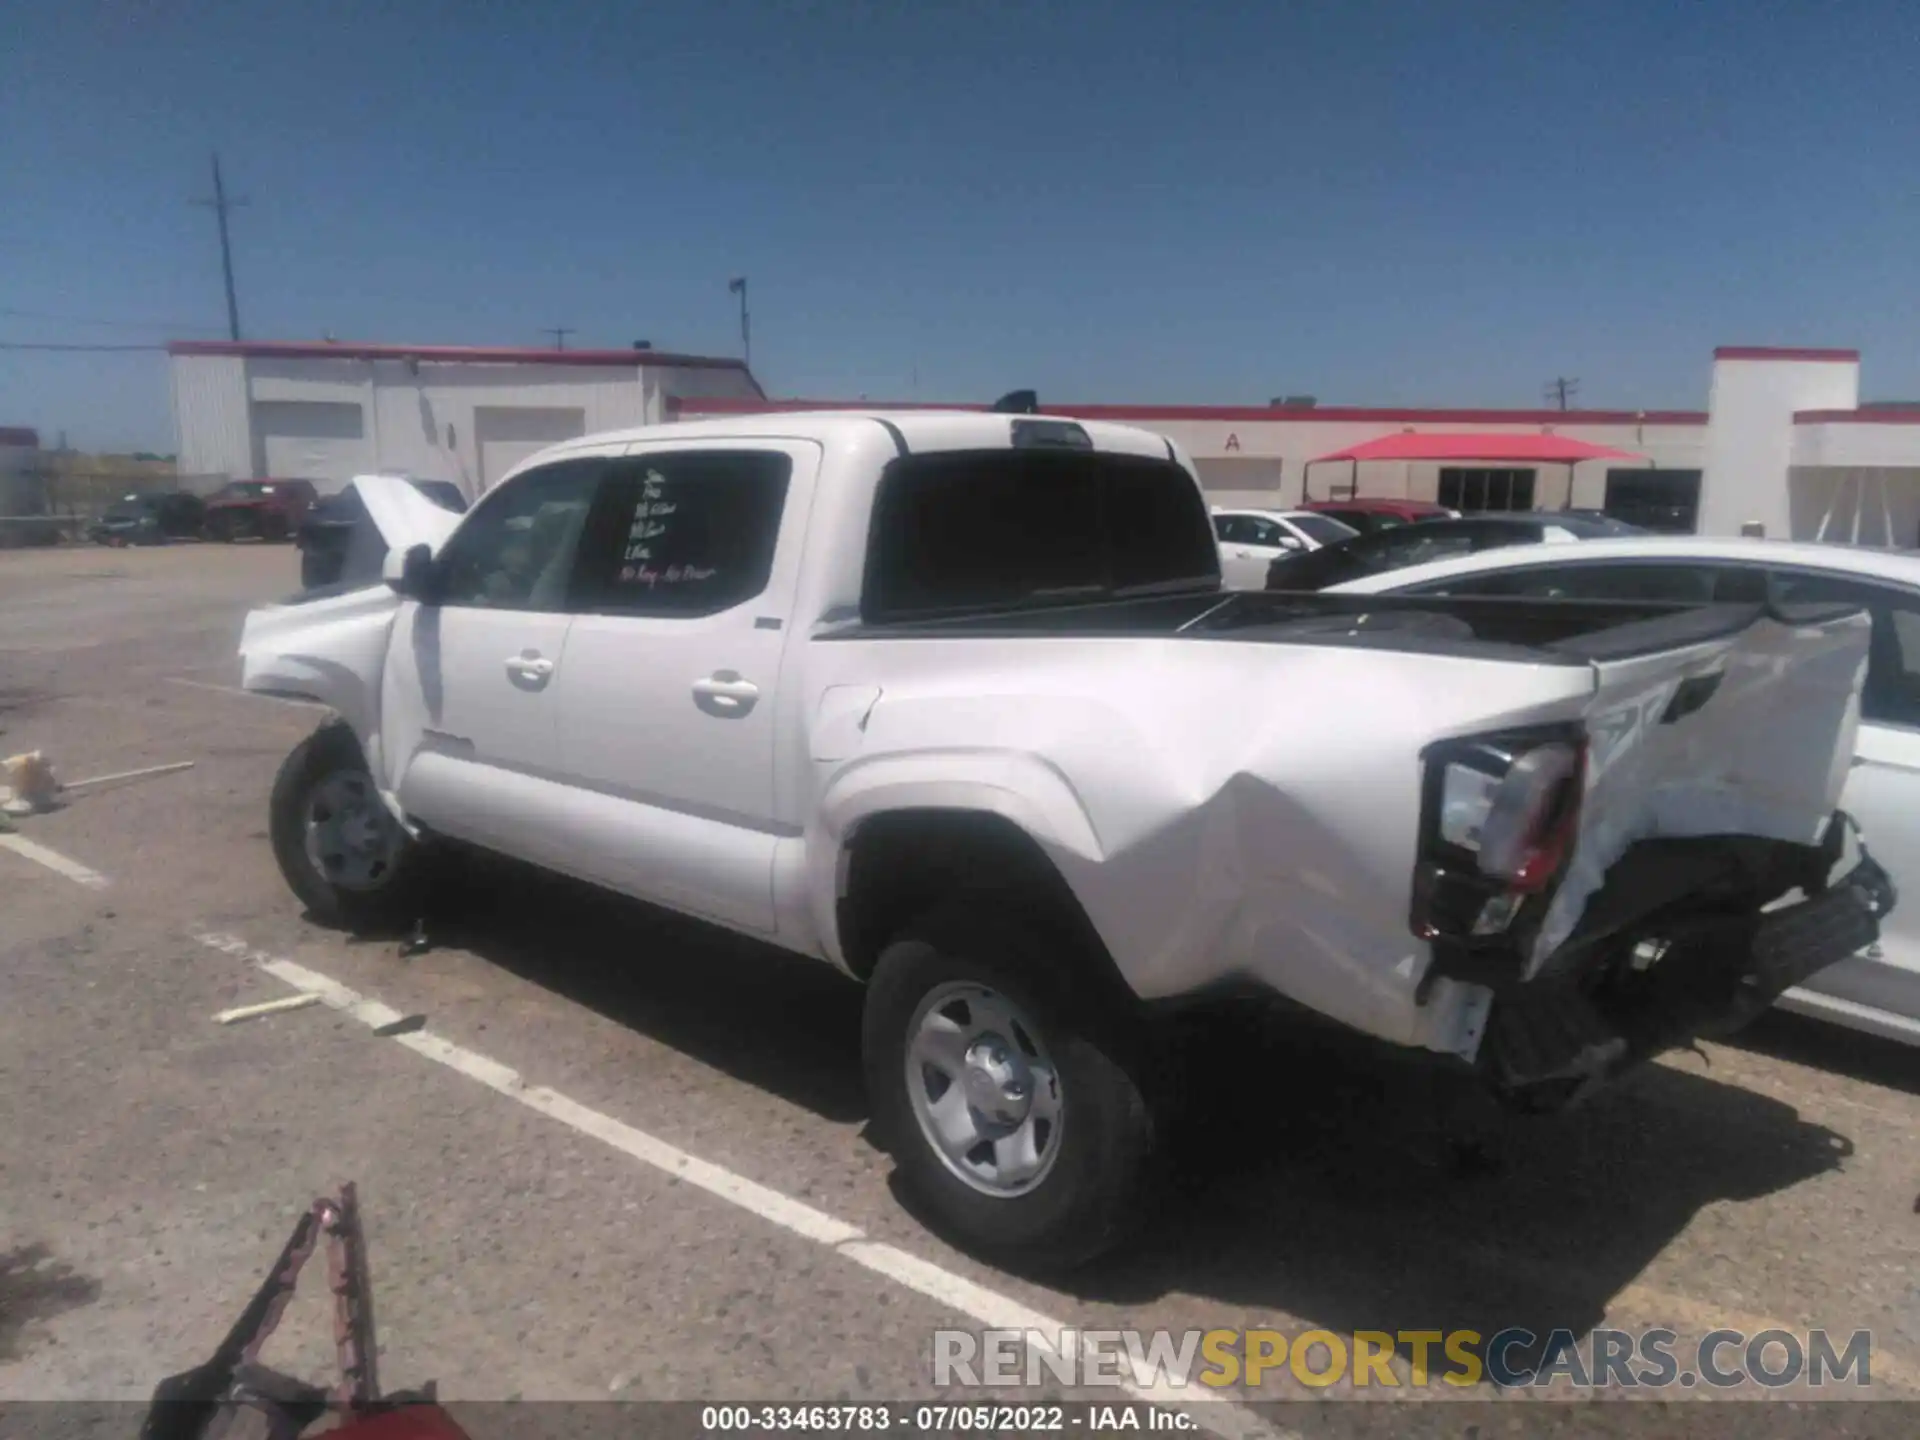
{"points": [[529, 669], [724, 695]]}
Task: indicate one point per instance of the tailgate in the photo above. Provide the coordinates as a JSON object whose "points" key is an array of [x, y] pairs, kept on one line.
{"points": [[1713, 722]]}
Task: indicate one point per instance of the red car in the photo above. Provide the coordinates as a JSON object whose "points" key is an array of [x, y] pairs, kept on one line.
{"points": [[1369, 513], [259, 509]]}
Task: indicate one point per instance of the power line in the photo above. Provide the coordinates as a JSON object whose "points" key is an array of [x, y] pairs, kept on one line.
{"points": [[1562, 389], [174, 325], [221, 204], [559, 333]]}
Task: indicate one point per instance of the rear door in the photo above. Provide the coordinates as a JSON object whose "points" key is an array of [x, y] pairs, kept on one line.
{"points": [[668, 707]]}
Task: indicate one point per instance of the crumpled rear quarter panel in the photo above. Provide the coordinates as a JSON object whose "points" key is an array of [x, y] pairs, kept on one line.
{"points": [[1241, 811]]}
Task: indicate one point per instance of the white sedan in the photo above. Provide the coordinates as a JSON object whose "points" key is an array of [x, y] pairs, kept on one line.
{"points": [[1879, 989], [1250, 540]]}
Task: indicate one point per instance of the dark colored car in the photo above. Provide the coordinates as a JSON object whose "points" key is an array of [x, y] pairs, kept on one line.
{"points": [[1417, 544], [1370, 513], [259, 509], [150, 519], [339, 542]]}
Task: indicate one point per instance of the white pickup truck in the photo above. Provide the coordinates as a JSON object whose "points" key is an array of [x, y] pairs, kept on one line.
{"points": [[958, 704]]}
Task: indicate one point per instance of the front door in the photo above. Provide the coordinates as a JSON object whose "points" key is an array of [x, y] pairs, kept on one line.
{"points": [[669, 703], [469, 733]]}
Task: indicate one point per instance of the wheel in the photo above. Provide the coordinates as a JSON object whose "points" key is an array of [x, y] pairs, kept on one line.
{"points": [[338, 846], [1007, 1094]]}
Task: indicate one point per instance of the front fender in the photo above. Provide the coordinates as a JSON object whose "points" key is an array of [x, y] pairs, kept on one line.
{"points": [[332, 651], [1021, 788]]}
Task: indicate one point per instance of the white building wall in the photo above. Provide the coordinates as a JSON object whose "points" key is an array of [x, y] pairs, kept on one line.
{"points": [[212, 433], [1750, 433], [327, 418], [1263, 462]]}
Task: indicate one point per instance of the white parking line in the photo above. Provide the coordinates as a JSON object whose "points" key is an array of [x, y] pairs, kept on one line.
{"points": [[236, 690], [54, 861], [986, 1307]]}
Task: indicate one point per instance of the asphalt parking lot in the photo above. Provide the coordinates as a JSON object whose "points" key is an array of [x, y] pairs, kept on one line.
{"points": [[648, 1208]]}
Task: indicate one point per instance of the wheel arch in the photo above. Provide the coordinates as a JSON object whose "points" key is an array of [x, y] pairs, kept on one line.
{"points": [[896, 864]]}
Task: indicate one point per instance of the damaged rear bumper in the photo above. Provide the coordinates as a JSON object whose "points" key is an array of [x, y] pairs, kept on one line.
{"points": [[1626, 989]]}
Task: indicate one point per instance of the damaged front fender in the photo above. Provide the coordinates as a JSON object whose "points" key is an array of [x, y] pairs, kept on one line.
{"points": [[332, 651]]}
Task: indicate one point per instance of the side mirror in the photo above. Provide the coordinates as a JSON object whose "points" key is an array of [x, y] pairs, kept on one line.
{"points": [[1291, 542], [410, 574]]}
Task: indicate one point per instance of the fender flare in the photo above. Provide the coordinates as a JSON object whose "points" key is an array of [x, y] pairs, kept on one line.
{"points": [[1023, 789]]}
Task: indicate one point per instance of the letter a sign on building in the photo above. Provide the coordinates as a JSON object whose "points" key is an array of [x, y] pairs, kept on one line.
{"points": [[1233, 442]]}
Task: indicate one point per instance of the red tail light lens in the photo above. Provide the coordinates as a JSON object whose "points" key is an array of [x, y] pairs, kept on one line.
{"points": [[1534, 812], [1500, 821]]}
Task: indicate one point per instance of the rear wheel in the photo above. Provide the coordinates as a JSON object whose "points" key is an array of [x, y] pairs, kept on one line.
{"points": [[1014, 1114], [340, 849]]}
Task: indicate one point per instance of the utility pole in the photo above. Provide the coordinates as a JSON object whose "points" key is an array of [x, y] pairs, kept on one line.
{"points": [[221, 204], [738, 286], [1562, 389], [559, 333]]}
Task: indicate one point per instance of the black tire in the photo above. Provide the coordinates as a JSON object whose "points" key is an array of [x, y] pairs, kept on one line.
{"points": [[1094, 1191], [391, 901]]}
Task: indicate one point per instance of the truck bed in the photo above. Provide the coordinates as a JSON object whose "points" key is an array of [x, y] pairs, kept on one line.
{"points": [[1554, 631]]}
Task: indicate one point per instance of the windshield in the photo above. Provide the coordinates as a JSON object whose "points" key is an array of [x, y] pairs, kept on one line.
{"points": [[248, 490]]}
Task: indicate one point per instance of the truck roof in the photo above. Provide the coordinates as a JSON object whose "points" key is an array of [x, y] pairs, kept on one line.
{"points": [[917, 430]]}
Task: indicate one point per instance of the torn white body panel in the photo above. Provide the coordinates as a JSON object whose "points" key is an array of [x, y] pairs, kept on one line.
{"points": [[1223, 808], [1252, 810], [403, 514]]}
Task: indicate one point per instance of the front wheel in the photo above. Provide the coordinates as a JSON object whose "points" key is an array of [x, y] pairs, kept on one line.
{"points": [[1008, 1096], [338, 846]]}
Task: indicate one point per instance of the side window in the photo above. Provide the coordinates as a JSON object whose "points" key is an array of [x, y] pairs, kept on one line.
{"points": [[1263, 532], [1232, 529], [683, 534], [1687, 584], [1892, 693], [1406, 545], [516, 550]]}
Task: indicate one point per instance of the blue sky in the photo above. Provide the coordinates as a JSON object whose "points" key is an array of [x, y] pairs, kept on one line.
{"points": [[1372, 203]]}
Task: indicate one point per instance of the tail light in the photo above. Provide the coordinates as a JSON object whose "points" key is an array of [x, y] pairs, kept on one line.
{"points": [[1498, 827]]}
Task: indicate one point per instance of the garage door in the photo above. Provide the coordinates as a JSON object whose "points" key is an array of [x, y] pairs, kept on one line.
{"points": [[322, 440], [508, 434]]}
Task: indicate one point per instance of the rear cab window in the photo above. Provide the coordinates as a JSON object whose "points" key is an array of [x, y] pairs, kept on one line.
{"points": [[983, 530]]}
